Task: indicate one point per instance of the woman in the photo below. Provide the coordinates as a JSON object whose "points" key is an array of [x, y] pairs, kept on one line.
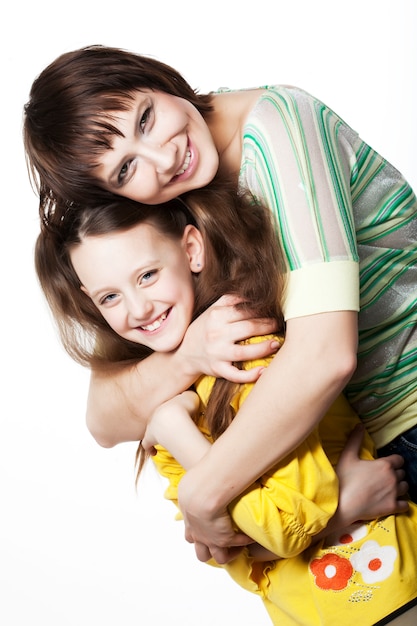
{"points": [[102, 122]]}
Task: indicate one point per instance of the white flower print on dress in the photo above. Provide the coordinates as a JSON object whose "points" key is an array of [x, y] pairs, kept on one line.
{"points": [[374, 562]]}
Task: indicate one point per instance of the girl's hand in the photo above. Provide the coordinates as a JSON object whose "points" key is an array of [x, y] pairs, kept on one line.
{"points": [[172, 426], [211, 343], [369, 489]]}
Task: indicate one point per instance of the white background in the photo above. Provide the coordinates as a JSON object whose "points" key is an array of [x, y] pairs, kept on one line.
{"points": [[78, 546]]}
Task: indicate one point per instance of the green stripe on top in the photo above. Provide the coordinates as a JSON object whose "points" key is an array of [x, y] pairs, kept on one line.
{"points": [[335, 199]]}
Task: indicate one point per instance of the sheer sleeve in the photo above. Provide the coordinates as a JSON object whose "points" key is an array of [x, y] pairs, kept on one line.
{"points": [[299, 158]]}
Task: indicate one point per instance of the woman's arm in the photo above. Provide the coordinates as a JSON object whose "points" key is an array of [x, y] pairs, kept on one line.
{"points": [[290, 398], [121, 399], [290, 506], [313, 366]]}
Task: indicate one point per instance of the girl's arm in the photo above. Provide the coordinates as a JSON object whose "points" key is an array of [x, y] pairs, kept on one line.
{"points": [[290, 506], [316, 361], [172, 427], [356, 474], [297, 499], [121, 398]]}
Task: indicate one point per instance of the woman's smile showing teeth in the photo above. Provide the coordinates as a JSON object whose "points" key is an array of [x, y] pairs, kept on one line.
{"points": [[157, 323], [186, 163]]}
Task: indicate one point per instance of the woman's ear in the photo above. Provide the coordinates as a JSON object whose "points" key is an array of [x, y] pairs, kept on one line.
{"points": [[194, 248]]}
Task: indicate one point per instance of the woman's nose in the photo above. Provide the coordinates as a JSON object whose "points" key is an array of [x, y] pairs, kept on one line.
{"points": [[162, 156]]}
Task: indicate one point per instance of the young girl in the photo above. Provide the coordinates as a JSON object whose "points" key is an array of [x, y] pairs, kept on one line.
{"points": [[132, 278], [103, 122]]}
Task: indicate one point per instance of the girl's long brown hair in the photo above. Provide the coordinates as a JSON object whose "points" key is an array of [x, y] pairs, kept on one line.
{"points": [[241, 257]]}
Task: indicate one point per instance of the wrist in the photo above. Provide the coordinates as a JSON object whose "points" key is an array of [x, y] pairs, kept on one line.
{"points": [[186, 366], [200, 498]]}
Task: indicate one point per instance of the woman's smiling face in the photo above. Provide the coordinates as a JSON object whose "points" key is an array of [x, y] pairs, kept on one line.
{"points": [[165, 150]]}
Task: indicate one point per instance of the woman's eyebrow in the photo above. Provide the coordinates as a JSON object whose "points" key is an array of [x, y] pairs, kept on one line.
{"points": [[112, 177]]}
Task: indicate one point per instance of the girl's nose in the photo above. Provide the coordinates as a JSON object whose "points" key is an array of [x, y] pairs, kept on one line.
{"points": [[139, 309]]}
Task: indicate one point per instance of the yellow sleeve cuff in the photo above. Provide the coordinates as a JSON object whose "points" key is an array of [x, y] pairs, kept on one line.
{"points": [[321, 288]]}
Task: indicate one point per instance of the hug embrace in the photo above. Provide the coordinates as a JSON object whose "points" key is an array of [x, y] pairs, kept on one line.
{"points": [[328, 228]]}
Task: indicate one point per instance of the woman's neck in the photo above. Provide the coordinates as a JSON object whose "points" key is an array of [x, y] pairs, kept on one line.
{"points": [[226, 123]]}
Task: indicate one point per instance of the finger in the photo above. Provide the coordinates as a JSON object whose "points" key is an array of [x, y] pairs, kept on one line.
{"points": [[396, 460], [400, 474], [235, 375], [234, 552], [228, 300], [237, 540], [202, 552], [353, 444], [224, 555], [402, 489], [252, 351], [227, 307], [240, 329], [402, 506]]}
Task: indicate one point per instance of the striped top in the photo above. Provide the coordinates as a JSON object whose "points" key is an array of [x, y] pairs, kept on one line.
{"points": [[347, 223]]}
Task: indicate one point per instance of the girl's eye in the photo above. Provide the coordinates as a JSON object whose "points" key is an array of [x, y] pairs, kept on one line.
{"points": [[148, 276], [109, 298]]}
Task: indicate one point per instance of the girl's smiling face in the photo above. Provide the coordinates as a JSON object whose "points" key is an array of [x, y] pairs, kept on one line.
{"points": [[165, 150], [142, 282]]}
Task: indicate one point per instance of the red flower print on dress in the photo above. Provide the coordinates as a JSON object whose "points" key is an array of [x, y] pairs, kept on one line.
{"points": [[331, 571]]}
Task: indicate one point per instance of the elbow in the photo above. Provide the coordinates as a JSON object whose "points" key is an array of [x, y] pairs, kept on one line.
{"points": [[98, 435], [103, 442], [345, 366]]}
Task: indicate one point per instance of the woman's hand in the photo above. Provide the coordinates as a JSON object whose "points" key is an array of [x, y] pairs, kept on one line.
{"points": [[369, 489], [211, 344], [211, 532]]}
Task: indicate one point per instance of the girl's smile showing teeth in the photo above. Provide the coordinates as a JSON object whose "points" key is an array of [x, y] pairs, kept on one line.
{"points": [[157, 323], [141, 279]]}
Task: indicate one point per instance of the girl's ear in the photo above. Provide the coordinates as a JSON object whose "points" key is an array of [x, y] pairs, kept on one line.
{"points": [[194, 248]]}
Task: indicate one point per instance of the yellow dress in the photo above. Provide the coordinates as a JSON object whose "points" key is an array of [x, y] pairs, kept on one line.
{"points": [[357, 576]]}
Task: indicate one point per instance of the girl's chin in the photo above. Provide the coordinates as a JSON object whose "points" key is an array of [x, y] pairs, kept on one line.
{"points": [[164, 347]]}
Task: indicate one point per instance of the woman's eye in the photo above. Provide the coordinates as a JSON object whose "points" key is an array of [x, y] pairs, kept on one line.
{"points": [[123, 172], [144, 118]]}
